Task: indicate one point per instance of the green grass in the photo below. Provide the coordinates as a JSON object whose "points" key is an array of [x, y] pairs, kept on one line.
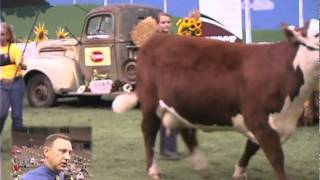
{"points": [[267, 35], [118, 150]]}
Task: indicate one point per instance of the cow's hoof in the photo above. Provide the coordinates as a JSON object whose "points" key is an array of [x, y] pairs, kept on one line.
{"points": [[240, 177], [239, 173], [199, 163], [155, 176], [204, 173]]}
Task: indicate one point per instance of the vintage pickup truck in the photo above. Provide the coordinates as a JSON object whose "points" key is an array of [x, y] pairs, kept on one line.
{"points": [[100, 62]]}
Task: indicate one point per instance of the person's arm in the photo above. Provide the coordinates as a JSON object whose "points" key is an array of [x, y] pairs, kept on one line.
{"points": [[16, 55]]}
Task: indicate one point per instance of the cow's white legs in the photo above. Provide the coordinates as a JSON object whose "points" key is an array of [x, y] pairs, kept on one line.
{"points": [[239, 173], [199, 162], [154, 170], [150, 126], [268, 139], [240, 168]]}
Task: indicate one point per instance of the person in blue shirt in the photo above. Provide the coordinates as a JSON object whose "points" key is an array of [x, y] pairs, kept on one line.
{"points": [[57, 150]]}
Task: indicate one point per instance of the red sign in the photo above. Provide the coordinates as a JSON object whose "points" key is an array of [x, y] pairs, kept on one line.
{"points": [[96, 56]]}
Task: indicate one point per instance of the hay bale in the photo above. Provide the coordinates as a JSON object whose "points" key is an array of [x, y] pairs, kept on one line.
{"points": [[310, 114], [143, 31]]}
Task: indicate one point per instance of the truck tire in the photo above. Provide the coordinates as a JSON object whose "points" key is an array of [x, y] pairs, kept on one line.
{"points": [[40, 92], [130, 71]]}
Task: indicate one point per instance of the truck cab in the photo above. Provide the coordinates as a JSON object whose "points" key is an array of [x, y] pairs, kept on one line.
{"points": [[100, 62]]}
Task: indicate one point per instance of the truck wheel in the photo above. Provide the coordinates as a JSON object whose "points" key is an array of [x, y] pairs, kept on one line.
{"points": [[40, 92], [130, 71]]}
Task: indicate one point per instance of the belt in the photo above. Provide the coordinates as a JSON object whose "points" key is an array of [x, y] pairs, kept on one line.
{"points": [[8, 81]]}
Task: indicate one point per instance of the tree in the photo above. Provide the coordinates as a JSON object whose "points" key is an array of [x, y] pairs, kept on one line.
{"points": [[16, 3]]}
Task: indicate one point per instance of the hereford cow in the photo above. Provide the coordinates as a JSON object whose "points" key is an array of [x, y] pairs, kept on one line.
{"points": [[259, 89]]}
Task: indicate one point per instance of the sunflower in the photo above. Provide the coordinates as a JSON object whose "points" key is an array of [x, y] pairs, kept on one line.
{"points": [[198, 32], [61, 34], [191, 21], [192, 27], [183, 26], [198, 23], [41, 33]]}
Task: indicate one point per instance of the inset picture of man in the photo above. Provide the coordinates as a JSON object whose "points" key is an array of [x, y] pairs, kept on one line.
{"points": [[51, 154]]}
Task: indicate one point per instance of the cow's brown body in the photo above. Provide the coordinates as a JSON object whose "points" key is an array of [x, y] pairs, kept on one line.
{"points": [[209, 82]]}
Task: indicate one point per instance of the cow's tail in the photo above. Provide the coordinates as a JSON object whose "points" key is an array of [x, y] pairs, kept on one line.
{"points": [[124, 102]]}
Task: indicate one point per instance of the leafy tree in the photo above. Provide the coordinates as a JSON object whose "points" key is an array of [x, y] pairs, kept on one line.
{"points": [[16, 3]]}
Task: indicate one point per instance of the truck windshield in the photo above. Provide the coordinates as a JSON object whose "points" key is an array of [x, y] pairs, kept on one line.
{"points": [[100, 26]]}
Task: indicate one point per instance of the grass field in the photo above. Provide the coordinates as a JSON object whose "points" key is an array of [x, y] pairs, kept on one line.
{"points": [[118, 151]]}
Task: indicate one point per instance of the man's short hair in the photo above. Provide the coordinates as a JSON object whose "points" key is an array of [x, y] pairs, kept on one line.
{"points": [[162, 14], [51, 138]]}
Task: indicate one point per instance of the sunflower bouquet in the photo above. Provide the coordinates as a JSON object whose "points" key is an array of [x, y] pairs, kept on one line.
{"points": [[190, 26]]}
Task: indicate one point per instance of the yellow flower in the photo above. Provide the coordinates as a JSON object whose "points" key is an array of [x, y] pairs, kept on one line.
{"points": [[179, 22], [186, 20], [41, 33], [191, 21], [186, 33], [61, 34], [198, 23], [192, 27], [198, 32], [189, 26]]}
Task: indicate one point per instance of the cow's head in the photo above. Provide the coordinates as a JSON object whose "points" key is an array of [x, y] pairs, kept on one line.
{"points": [[307, 36], [307, 56]]}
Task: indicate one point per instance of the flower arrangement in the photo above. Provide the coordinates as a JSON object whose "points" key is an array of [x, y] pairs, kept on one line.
{"points": [[61, 33], [41, 33], [190, 26]]}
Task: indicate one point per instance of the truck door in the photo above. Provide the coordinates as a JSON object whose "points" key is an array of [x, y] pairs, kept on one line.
{"points": [[97, 50]]}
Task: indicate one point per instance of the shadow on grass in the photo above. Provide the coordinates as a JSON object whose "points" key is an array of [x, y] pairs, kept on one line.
{"points": [[85, 102]]}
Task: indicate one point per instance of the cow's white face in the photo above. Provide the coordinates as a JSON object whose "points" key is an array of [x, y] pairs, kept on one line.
{"points": [[308, 53], [307, 36], [312, 36], [307, 59]]}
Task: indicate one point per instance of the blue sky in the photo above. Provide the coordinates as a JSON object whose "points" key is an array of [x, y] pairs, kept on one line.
{"points": [[285, 11]]}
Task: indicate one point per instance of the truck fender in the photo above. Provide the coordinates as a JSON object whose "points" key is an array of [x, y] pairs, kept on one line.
{"points": [[63, 73]]}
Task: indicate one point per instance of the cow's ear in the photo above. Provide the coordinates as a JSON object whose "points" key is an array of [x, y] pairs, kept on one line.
{"points": [[291, 32], [304, 29], [288, 31]]}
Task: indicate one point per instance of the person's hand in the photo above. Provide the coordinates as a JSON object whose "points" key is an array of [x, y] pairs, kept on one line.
{"points": [[23, 66]]}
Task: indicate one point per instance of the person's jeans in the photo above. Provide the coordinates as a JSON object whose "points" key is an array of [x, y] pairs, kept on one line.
{"points": [[168, 143], [12, 96]]}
